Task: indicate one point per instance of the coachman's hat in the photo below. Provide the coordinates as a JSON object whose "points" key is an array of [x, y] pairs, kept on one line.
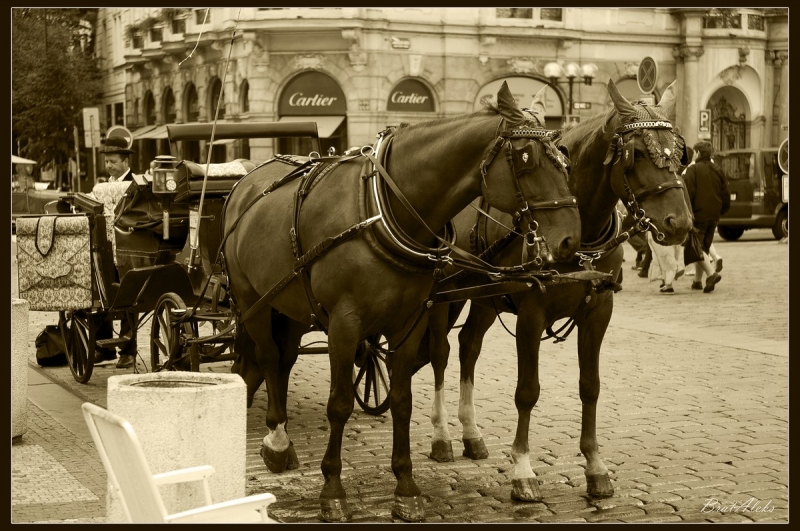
{"points": [[116, 144]]}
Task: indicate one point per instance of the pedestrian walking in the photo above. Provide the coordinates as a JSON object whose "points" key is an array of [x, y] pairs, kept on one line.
{"points": [[707, 188]]}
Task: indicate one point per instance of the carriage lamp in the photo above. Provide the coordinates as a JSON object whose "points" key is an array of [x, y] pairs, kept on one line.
{"points": [[571, 71], [165, 183]]}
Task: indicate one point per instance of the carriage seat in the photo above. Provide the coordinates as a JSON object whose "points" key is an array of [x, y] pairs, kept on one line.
{"points": [[221, 178], [110, 195]]}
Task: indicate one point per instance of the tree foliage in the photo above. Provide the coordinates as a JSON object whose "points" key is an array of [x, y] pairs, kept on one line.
{"points": [[54, 76]]}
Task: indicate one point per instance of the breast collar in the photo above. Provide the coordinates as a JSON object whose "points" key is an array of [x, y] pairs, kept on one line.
{"points": [[393, 244]]}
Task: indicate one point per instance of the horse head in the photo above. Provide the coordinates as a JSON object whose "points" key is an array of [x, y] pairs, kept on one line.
{"points": [[646, 153], [525, 173]]}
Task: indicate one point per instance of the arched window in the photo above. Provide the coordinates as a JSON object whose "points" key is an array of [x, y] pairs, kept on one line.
{"points": [[214, 89], [244, 97], [149, 109], [169, 110], [191, 108]]}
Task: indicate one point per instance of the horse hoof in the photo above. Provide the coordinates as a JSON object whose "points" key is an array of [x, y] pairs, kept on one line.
{"points": [[599, 486], [526, 490], [334, 510], [275, 461], [291, 461], [475, 449], [442, 451], [409, 508]]}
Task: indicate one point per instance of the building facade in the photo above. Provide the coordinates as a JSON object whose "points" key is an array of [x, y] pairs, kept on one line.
{"points": [[357, 70]]}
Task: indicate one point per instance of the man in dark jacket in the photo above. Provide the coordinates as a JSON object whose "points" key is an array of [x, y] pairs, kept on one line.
{"points": [[708, 191], [117, 155]]}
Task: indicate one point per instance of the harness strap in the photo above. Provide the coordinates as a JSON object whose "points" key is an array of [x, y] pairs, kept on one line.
{"points": [[306, 260]]}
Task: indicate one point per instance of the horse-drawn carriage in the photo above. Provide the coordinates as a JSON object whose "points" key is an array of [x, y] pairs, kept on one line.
{"points": [[362, 246]]}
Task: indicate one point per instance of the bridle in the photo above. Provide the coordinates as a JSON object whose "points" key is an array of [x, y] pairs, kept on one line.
{"points": [[521, 161], [621, 151]]}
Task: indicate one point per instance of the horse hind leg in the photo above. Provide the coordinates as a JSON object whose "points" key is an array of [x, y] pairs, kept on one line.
{"points": [[470, 340], [591, 330], [245, 364]]}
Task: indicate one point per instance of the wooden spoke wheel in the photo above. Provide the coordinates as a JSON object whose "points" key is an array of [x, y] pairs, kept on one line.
{"points": [[78, 332], [166, 351], [371, 376]]}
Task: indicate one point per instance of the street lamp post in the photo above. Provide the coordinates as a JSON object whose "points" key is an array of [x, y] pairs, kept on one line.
{"points": [[571, 71]]}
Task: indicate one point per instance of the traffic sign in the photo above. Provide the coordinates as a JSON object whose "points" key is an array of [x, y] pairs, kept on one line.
{"points": [[581, 105], [120, 130], [91, 126], [572, 119], [647, 75], [704, 124]]}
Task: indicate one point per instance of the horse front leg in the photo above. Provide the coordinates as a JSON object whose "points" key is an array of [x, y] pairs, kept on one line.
{"points": [[408, 502], [470, 341], [344, 335], [592, 325], [530, 324], [439, 351]]}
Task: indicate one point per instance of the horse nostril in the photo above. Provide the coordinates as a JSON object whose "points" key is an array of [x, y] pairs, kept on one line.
{"points": [[567, 247]]}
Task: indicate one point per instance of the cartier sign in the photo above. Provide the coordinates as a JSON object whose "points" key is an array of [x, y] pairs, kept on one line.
{"points": [[410, 95], [312, 93]]}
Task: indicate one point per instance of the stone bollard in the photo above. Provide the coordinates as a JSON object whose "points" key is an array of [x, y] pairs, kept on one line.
{"points": [[19, 369], [185, 419]]}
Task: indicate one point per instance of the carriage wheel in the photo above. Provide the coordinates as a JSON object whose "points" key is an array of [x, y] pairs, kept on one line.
{"points": [[371, 377], [78, 332], [166, 351]]}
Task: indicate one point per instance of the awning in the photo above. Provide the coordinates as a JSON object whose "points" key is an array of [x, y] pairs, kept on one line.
{"points": [[223, 141], [155, 132], [326, 125], [19, 160]]}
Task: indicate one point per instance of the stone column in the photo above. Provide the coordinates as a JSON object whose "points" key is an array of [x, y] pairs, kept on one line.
{"points": [[19, 368], [769, 98], [690, 103], [185, 419]]}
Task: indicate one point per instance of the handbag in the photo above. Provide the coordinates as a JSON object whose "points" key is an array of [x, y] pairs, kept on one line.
{"points": [[50, 348], [693, 248]]}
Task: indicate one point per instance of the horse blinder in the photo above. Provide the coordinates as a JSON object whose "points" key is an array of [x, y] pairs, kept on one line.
{"points": [[524, 158]]}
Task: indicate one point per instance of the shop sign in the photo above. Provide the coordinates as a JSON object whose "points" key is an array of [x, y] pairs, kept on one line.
{"points": [[312, 93], [410, 95]]}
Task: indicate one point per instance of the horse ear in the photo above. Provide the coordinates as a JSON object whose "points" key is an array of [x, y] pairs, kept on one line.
{"points": [[508, 105], [626, 111], [667, 101], [539, 105]]}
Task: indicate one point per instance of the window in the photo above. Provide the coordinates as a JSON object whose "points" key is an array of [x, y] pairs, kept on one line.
{"points": [[722, 18], [179, 25], [245, 97], [109, 118], [119, 114], [200, 16], [755, 22], [138, 42], [555, 14], [156, 35], [514, 12], [529, 13]]}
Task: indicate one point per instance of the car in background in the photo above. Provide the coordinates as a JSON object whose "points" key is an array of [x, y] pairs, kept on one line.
{"points": [[31, 198], [758, 197]]}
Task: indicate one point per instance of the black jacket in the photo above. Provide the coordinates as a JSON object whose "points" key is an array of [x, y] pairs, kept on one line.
{"points": [[708, 190]]}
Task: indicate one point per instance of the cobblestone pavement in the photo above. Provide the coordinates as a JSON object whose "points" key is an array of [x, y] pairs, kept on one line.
{"points": [[692, 419]]}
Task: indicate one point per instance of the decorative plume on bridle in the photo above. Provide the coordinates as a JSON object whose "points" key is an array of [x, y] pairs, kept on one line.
{"points": [[664, 142], [536, 114]]}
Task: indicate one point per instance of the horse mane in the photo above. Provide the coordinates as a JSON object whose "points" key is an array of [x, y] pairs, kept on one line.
{"points": [[587, 132], [489, 108]]}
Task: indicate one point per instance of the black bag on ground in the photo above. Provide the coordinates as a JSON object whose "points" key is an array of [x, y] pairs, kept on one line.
{"points": [[50, 348], [693, 248]]}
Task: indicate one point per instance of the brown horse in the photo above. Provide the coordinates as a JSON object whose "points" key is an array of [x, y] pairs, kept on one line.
{"points": [[347, 246], [629, 153]]}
